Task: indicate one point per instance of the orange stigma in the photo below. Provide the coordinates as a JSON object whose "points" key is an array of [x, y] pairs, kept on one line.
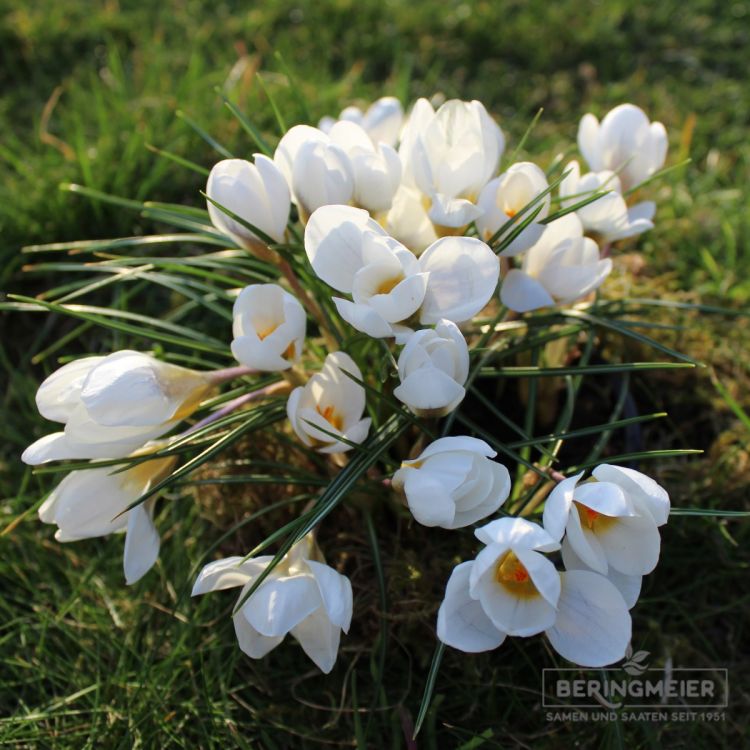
{"points": [[330, 416], [511, 573]]}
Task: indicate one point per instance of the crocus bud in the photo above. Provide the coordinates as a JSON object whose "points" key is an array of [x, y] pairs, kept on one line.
{"points": [[433, 367], [302, 596], [93, 502], [376, 168], [624, 142], [502, 198], [451, 157], [382, 122], [330, 406], [257, 192], [453, 483], [560, 268], [322, 175], [112, 405], [608, 217], [269, 328]]}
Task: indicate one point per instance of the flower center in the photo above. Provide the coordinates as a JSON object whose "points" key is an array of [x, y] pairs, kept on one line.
{"points": [[387, 285], [510, 212], [266, 332], [330, 416], [592, 519], [512, 575]]}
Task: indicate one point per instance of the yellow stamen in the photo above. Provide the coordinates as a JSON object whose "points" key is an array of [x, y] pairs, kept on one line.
{"points": [[592, 519], [387, 286], [512, 575], [266, 332], [330, 416]]}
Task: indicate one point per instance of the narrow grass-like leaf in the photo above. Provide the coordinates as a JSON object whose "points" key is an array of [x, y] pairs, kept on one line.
{"points": [[634, 457], [210, 140], [181, 160], [640, 337], [541, 372], [249, 128], [429, 687]]}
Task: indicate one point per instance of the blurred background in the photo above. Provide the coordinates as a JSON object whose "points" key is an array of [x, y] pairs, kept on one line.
{"points": [[90, 90]]}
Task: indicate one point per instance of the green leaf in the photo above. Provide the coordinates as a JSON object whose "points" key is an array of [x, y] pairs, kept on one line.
{"points": [[429, 688]]}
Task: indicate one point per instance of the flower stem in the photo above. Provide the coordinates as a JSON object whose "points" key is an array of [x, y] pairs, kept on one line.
{"points": [[229, 373], [269, 390]]}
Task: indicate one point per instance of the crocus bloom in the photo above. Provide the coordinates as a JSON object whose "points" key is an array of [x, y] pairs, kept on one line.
{"points": [[511, 588], [454, 278], [560, 268], [92, 502], [624, 142], [407, 220], [322, 175], [302, 596], [451, 156], [433, 367], [382, 121], [113, 405], [453, 483], [330, 405], [606, 525], [376, 168], [502, 198], [269, 328], [608, 217], [258, 193]]}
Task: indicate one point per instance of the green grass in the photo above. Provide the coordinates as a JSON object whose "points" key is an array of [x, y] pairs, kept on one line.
{"points": [[87, 662]]}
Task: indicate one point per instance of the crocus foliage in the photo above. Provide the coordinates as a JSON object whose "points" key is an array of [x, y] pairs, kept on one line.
{"points": [[388, 258]]}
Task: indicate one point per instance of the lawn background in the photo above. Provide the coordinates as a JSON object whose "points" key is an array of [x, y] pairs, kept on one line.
{"points": [[86, 86]]}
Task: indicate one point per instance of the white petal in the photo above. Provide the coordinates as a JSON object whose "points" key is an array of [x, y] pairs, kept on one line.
{"points": [[644, 492], [628, 586], [516, 533], [319, 639], [336, 591], [463, 277], [281, 603], [631, 545], [593, 625], [462, 623], [333, 242], [251, 642], [53, 447], [228, 573], [430, 389], [458, 443], [557, 507], [364, 318], [141, 543], [428, 501], [60, 393], [522, 293]]}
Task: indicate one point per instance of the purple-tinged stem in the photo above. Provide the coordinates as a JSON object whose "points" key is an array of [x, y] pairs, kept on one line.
{"points": [[236, 403], [229, 373]]}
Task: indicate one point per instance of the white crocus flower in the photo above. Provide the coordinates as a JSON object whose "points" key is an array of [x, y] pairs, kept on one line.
{"points": [[608, 217], [451, 156], [112, 405], [318, 172], [453, 279], [511, 588], [269, 328], [382, 121], [433, 367], [323, 175], [302, 596], [502, 198], [257, 192], [453, 483], [93, 502], [376, 168], [329, 405], [605, 525], [561, 267], [407, 221], [624, 142]]}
